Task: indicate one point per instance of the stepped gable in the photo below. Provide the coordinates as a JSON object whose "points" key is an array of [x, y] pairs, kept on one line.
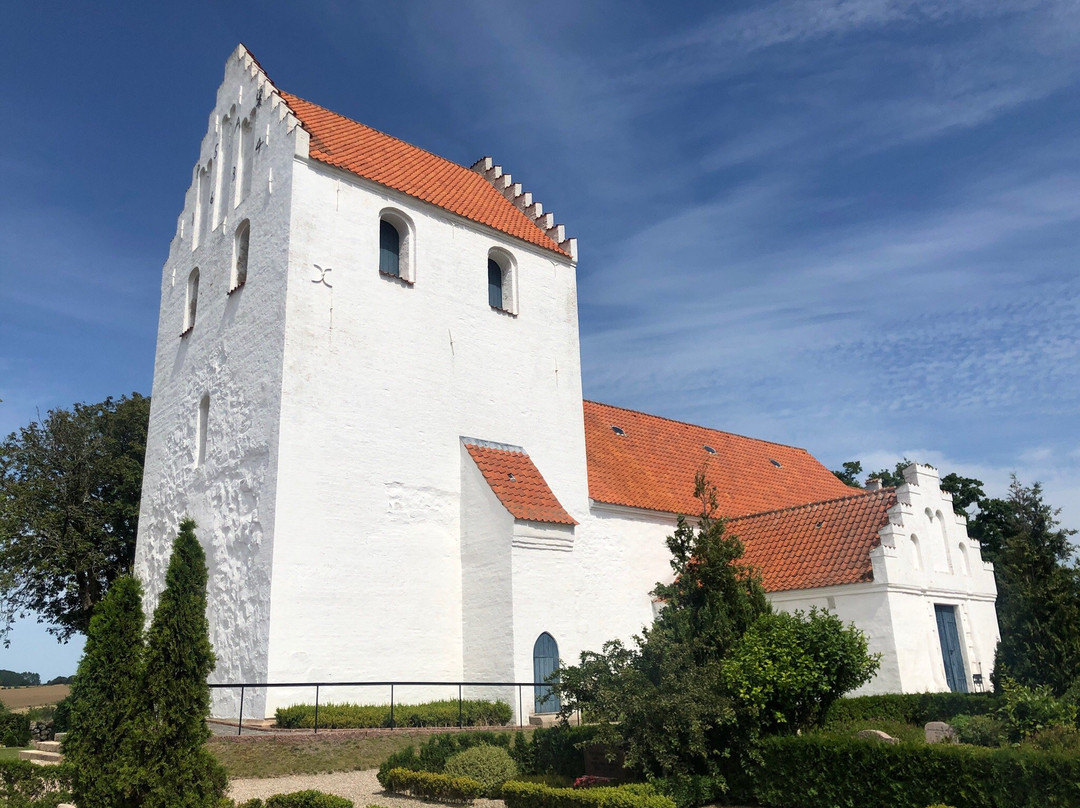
{"points": [[517, 482], [373, 155], [652, 465], [523, 201], [821, 544]]}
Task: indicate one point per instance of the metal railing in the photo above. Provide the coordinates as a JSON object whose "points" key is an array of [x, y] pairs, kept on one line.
{"points": [[319, 685]]}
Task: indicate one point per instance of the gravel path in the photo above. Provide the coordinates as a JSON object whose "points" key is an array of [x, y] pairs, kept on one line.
{"points": [[360, 787]]}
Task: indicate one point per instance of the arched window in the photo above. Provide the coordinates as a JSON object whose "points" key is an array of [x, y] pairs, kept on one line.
{"points": [[545, 662], [240, 256], [247, 159], [502, 281], [965, 564], [191, 305], [200, 437], [944, 540], [206, 196], [916, 553], [225, 168], [495, 284], [389, 249]]}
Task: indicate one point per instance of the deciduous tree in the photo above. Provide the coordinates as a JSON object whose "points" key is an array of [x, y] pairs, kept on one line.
{"points": [[69, 506]]}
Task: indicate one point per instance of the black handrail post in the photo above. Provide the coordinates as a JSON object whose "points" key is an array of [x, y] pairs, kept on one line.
{"points": [[459, 711], [316, 709], [391, 705], [240, 717]]}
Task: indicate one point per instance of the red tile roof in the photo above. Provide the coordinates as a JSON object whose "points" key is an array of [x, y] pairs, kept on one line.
{"points": [[518, 484], [654, 463], [368, 153], [821, 544]]}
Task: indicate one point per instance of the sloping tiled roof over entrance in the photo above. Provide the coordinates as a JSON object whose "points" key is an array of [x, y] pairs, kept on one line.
{"points": [[821, 544], [518, 483], [644, 461], [373, 155]]}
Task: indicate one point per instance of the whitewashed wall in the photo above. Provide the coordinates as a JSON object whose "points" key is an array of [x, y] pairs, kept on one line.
{"points": [[234, 355]]}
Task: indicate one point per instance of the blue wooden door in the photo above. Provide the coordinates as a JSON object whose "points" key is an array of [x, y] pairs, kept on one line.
{"points": [[545, 660], [950, 648]]}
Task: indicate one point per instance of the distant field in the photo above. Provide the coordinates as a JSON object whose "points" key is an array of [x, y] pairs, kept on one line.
{"points": [[19, 698]]}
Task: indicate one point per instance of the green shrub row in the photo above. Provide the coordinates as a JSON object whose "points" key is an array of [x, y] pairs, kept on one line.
{"points": [[24, 785], [438, 749], [821, 771], [14, 728], [300, 799], [533, 795], [910, 708], [433, 786], [474, 712]]}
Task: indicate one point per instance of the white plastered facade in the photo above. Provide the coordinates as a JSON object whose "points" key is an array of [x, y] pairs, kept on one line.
{"points": [[349, 536]]}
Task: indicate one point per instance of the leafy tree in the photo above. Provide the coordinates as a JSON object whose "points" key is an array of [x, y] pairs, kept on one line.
{"points": [[15, 679], [104, 701], [849, 474], [668, 694], [1038, 601], [69, 508], [179, 770], [788, 669]]}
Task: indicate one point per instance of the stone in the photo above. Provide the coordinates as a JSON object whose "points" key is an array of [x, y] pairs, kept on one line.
{"points": [[876, 735], [939, 732]]}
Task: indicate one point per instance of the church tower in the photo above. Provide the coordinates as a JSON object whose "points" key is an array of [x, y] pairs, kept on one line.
{"points": [[344, 319]]}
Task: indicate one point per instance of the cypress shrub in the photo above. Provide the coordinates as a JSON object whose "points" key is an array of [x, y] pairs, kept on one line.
{"points": [[179, 771], [103, 702]]}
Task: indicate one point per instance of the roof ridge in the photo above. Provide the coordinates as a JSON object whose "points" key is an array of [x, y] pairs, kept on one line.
{"points": [[857, 495], [698, 426]]}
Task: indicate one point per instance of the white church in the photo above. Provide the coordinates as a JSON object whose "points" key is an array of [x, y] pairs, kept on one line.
{"points": [[367, 392]]}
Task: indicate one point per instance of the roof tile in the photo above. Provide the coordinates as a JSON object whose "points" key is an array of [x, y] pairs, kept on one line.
{"points": [[519, 485], [373, 155]]}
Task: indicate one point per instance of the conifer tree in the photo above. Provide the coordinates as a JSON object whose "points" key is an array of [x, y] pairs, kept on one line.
{"points": [[103, 700], [179, 770]]}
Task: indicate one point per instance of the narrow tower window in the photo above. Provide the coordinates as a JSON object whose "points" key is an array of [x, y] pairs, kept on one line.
{"points": [[204, 418], [192, 303], [389, 249], [495, 284], [202, 212], [247, 159], [240, 255]]}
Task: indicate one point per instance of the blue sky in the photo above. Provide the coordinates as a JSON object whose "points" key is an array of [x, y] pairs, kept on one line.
{"points": [[848, 225]]}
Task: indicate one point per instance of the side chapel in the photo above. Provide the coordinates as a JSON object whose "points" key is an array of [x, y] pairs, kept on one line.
{"points": [[367, 392]]}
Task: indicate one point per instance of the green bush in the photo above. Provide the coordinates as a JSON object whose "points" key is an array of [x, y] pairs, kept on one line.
{"points": [[532, 795], [24, 785], [14, 728], [491, 766], [308, 799], [440, 748], [62, 715], [692, 790], [979, 730], [474, 713], [558, 750], [910, 708], [819, 771], [433, 786], [1027, 711]]}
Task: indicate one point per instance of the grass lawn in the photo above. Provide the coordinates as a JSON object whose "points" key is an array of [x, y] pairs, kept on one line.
{"points": [[9, 752], [275, 757]]}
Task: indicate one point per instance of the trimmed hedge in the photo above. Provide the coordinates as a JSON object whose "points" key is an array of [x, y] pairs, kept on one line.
{"points": [[24, 785], [533, 795], [825, 772], [300, 799], [14, 728], [474, 712], [433, 786], [911, 708]]}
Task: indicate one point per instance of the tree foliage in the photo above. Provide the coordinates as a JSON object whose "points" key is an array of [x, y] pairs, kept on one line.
{"points": [[179, 770], [1038, 589], [716, 668], [69, 508], [789, 669], [104, 702]]}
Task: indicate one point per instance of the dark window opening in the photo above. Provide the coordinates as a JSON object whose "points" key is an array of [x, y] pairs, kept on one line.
{"points": [[389, 249]]}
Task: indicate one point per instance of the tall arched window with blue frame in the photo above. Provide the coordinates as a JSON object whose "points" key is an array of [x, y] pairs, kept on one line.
{"points": [[389, 249], [545, 663]]}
